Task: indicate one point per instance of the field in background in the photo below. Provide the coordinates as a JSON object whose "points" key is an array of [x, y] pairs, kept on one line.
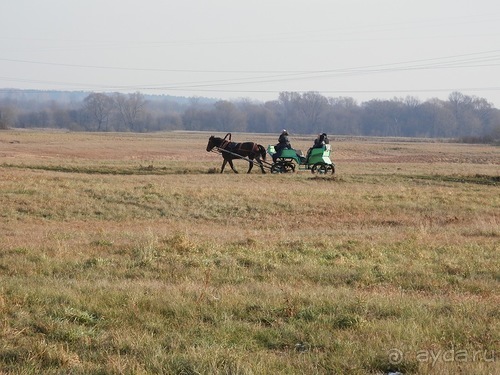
{"points": [[128, 254]]}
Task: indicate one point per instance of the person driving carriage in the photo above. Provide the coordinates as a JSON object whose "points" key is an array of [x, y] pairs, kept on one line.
{"points": [[283, 143]]}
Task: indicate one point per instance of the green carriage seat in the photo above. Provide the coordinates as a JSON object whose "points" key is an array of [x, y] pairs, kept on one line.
{"points": [[287, 153], [320, 155]]}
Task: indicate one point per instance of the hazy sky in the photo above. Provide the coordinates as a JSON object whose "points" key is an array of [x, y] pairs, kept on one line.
{"points": [[229, 49]]}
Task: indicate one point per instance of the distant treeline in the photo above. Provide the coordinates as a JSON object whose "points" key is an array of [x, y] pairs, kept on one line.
{"points": [[463, 117]]}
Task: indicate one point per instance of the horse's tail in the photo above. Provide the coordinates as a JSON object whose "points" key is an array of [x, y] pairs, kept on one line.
{"points": [[262, 151]]}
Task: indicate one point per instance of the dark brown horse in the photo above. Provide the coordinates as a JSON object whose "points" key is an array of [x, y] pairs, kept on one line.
{"points": [[232, 150]]}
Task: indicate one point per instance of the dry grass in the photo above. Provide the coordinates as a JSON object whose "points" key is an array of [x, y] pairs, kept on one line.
{"points": [[126, 254]]}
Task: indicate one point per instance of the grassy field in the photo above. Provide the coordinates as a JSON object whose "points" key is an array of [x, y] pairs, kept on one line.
{"points": [[128, 254]]}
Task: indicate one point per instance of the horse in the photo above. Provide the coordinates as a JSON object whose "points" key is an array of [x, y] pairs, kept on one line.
{"points": [[233, 150]]}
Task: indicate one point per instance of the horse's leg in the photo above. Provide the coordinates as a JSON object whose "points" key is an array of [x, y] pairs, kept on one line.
{"points": [[250, 166], [261, 165], [232, 166], [223, 165]]}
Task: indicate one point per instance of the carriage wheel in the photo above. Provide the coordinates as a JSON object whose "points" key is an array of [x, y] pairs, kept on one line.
{"points": [[289, 167], [320, 168], [277, 168]]}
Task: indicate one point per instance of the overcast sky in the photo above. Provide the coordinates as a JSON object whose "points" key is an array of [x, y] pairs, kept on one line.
{"points": [[230, 49]]}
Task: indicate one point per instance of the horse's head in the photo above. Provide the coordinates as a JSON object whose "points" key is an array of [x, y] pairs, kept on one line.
{"points": [[212, 142]]}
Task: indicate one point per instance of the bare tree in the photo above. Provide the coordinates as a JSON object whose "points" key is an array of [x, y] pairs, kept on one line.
{"points": [[99, 106], [229, 117], [130, 109], [6, 117], [313, 106], [303, 112]]}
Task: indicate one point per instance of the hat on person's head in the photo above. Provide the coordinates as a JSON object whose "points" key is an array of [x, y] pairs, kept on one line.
{"points": [[284, 131]]}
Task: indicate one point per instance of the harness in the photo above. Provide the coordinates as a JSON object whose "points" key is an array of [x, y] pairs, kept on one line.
{"points": [[230, 146]]}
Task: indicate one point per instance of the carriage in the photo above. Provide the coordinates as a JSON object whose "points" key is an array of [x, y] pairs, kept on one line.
{"points": [[317, 160]]}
